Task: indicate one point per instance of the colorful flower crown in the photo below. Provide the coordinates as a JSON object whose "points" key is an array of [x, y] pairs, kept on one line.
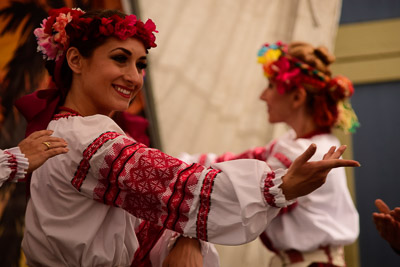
{"points": [[289, 73], [66, 24]]}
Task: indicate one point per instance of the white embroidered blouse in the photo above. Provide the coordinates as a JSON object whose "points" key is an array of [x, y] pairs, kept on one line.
{"points": [[86, 204]]}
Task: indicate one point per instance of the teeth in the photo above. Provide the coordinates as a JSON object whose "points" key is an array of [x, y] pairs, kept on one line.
{"points": [[124, 91]]}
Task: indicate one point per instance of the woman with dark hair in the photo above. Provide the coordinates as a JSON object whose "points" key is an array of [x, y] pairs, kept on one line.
{"points": [[85, 205]]}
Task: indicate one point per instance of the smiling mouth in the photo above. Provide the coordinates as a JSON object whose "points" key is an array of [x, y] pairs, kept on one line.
{"points": [[123, 92]]}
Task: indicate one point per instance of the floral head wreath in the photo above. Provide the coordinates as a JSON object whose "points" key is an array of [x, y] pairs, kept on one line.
{"points": [[66, 24], [290, 73]]}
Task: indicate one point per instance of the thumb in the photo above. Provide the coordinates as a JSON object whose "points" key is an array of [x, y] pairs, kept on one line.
{"points": [[382, 207], [303, 158]]}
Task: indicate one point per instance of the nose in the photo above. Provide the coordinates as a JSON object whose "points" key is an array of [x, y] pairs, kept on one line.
{"points": [[133, 76], [263, 95]]}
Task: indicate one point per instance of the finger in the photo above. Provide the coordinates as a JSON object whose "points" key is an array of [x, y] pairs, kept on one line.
{"points": [[339, 152], [57, 144], [303, 158], [329, 153], [41, 133], [382, 207], [55, 151], [335, 163], [55, 140], [50, 139], [395, 214]]}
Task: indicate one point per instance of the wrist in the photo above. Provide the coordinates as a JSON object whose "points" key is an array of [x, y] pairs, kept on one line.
{"points": [[287, 189]]}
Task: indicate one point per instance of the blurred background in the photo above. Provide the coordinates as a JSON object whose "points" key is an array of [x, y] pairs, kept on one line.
{"points": [[202, 87]]}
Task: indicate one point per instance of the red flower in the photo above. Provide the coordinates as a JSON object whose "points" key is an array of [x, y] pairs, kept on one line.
{"points": [[106, 28], [125, 28]]}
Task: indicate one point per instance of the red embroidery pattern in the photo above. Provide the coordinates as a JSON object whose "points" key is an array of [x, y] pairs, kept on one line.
{"points": [[203, 159], [205, 204], [259, 153], [147, 183], [121, 153], [84, 165], [64, 115], [288, 208], [268, 183], [13, 164], [283, 159], [147, 234], [180, 197]]}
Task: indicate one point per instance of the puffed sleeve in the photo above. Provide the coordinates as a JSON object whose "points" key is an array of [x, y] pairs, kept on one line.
{"points": [[229, 203], [13, 165]]}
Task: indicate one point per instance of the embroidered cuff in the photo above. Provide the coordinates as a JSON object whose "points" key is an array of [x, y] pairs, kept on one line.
{"points": [[17, 163], [272, 192]]}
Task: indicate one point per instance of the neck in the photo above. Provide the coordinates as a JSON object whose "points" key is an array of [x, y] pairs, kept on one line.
{"points": [[303, 124], [77, 101]]}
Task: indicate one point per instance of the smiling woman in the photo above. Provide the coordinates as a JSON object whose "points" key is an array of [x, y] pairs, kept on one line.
{"points": [[108, 80], [112, 201]]}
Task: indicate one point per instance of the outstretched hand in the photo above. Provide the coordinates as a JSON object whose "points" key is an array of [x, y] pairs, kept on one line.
{"points": [[303, 176], [186, 252], [387, 222], [40, 146]]}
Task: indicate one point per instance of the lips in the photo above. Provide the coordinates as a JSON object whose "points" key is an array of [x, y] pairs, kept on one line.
{"points": [[123, 91]]}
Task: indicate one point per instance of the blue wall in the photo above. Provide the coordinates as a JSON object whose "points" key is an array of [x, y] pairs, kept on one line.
{"points": [[376, 145], [377, 142], [367, 10]]}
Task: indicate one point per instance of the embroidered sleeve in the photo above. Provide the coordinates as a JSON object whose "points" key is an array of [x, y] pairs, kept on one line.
{"points": [[13, 165], [186, 198], [144, 181]]}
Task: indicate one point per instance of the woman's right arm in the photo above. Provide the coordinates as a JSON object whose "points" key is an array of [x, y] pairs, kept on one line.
{"points": [[13, 165], [228, 204]]}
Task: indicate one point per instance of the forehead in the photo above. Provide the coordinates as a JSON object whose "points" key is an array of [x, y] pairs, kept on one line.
{"points": [[133, 45]]}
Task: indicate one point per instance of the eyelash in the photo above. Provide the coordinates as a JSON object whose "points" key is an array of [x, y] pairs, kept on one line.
{"points": [[123, 59], [120, 58], [141, 65]]}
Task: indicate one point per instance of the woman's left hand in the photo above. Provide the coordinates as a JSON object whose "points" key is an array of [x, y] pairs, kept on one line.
{"points": [[186, 252]]}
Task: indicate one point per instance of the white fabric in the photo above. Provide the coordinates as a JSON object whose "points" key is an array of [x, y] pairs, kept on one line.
{"points": [[65, 227], [326, 216], [5, 170]]}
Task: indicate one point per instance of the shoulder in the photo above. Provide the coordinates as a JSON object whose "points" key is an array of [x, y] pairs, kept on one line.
{"points": [[84, 129], [292, 147]]}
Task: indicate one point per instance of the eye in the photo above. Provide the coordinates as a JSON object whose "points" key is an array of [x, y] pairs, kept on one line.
{"points": [[141, 65], [120, 58]]}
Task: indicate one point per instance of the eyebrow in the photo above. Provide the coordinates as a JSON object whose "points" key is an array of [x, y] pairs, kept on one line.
{"points": [[126, 51]]}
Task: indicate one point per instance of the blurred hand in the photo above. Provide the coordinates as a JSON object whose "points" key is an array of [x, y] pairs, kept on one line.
{"points": [[37, 152], [303, 177], [185, 253], [387, 223]]}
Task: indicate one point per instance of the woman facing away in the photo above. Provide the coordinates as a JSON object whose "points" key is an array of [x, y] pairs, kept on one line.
{"points": [[302, 93], [86, 206]]}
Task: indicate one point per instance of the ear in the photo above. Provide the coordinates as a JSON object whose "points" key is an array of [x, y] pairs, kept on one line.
{"points": [[299, 97], [74, 59]]}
